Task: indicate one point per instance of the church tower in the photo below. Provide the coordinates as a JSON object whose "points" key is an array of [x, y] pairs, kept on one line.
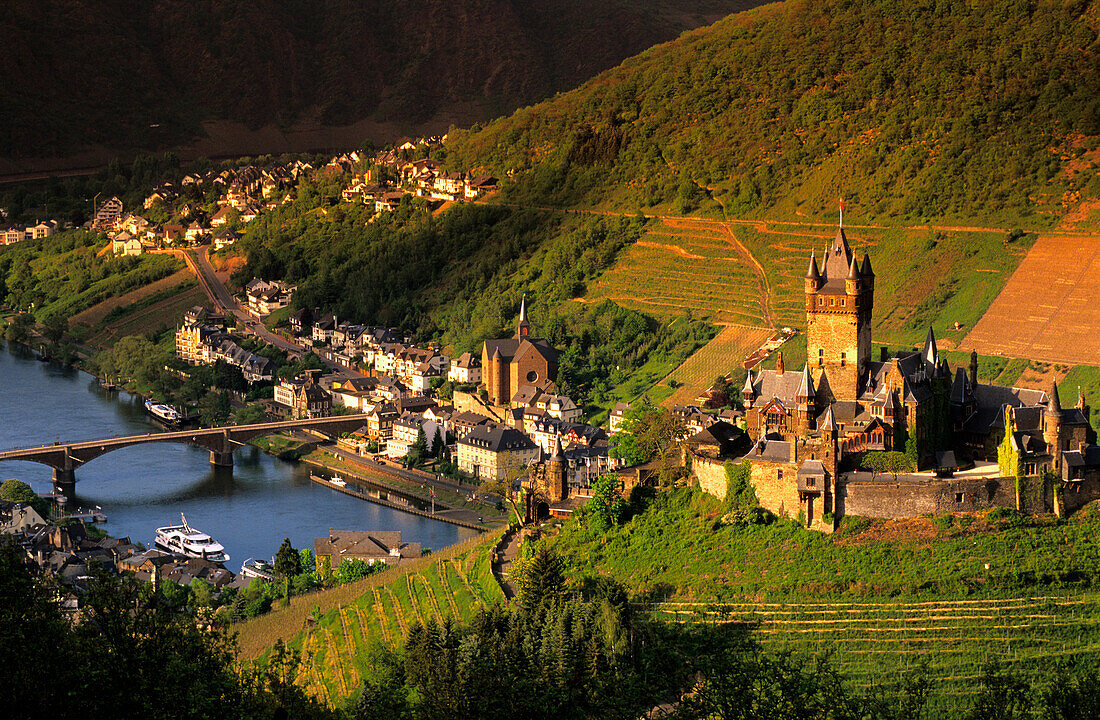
{"points": [[523, 329], [839, 300]]}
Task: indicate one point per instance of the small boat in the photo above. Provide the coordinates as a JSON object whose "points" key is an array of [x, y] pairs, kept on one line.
{"points": [[163, 412], [258, 569], [185, 540], [338, 481]]}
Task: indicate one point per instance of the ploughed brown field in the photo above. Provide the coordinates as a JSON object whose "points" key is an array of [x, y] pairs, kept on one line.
{"points": [[1050, 308]]}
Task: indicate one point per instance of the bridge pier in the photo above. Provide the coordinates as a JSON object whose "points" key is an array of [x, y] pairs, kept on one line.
{"points": [[221, 459], [64, 480]]}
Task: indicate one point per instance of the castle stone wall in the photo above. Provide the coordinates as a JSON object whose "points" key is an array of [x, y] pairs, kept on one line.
{"points": [[778, 494], [889, 499], [711, 475]]}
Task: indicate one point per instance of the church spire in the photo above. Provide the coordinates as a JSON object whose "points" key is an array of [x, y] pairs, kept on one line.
{"points": [[930, 353], [811, 272], [524, 327]]}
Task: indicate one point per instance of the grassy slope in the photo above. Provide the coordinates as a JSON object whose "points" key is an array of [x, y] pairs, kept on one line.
{"points": [[881, 599], [453, 583]]}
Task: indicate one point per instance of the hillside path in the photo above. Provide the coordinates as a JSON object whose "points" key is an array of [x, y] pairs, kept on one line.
{"points": [[503, 569]]}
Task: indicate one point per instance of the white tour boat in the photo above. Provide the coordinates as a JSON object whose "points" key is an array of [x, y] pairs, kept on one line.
{"points": [[163, 412], [338, 481], [185, 540], [258, 569]]}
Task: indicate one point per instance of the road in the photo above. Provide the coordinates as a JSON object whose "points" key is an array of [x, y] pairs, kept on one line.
{"points": [[224, 301]]}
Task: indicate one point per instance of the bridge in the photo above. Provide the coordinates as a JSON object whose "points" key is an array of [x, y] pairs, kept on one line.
{"points": [[64, 458]]}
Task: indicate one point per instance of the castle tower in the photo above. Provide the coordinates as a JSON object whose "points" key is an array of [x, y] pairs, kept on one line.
{"points": [[838, 319], [1052, 428], [524, 327], [805, 413], [973, 368], [556, 475]]}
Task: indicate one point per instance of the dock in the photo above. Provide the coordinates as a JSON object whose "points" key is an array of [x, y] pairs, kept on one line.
{"points": [[403, 504]]}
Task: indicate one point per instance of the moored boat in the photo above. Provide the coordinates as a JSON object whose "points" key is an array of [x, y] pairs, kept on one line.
{"points": [[338, 481], [185, 540], [258, 569], [163, 412]]}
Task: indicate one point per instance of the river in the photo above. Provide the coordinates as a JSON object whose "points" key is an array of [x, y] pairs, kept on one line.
{"points": [[249, 509]]}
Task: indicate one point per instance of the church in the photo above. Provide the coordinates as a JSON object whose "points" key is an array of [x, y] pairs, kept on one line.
{"points": [[808, 425], [518, 363]]}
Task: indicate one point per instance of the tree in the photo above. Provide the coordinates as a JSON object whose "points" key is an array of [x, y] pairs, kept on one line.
{"points": [[538, 579], [1002, 696], [648, 433], [250, 414], [14, 490], [288, 562], [606, 507], [324, 571], [54, 327], [19, 329], [438, 444], [508, 486]]}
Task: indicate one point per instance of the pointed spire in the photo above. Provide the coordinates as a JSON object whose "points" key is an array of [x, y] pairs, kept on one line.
{"points": [[747, 392], [1054, 404], [806, 386], [779, 364], [866, 270], [853, 271], [828, 422], [930, 353], [558, 454], [524, 327], [812, 272]]}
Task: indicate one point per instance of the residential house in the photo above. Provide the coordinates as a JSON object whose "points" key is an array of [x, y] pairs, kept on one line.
{"points": [[380, 421], [406, 430], [310, 401], [223, 216], [107, 214], [195, 232], [323, 329], [465, 370], [369, 546], [389, 201], [466, 422], [225, 238], [265, 297], [125, 244]]}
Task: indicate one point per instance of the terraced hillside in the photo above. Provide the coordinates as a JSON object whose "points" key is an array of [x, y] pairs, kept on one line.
{"points": [[687, 264], [874, 644], [752, 273], [335, 645], [717, 357]]}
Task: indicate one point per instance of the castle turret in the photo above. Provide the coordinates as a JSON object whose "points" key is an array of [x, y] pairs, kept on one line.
{"points": [[868, 283], [779, 363], [804, 396], [1052, 429], [747, 392], [930, 353], [851, 282], [973, 368]]}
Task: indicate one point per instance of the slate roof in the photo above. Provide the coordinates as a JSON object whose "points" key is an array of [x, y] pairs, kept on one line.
{"points": [[498, 439], [514, 347], [770, 450], [991, 399]]}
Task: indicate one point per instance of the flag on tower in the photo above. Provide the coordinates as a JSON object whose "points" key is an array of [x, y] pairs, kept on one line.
{"points": [[841, 212]]}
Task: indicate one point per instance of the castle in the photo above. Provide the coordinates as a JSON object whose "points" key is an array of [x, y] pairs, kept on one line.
{"points": [[808, 425]]}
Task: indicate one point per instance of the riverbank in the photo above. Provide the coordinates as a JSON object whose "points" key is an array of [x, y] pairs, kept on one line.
{"points": [[472, 514]]}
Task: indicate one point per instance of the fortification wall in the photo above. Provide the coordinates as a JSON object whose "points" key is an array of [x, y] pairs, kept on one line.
{"points": [[889, 499], [776, 486], [710, 474]]}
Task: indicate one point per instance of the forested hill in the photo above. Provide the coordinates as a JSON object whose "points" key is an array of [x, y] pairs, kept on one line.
{"points": [[910, 108], [129, 74]]}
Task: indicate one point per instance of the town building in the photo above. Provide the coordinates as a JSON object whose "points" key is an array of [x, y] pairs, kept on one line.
{"points": [[495, 453], [265, 297]]}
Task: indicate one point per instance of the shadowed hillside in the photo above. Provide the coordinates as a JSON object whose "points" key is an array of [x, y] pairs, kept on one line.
{"points": [[125, 74]]}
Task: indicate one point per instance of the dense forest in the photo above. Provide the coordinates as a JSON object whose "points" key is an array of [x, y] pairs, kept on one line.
{"points": [[914, 109], [129, 75]]}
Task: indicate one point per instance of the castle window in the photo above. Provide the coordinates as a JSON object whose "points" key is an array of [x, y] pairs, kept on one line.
{"points": [[958, 497], [820, 356], [778, 474], [832, 302], [843, 359], [811, 482]]}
